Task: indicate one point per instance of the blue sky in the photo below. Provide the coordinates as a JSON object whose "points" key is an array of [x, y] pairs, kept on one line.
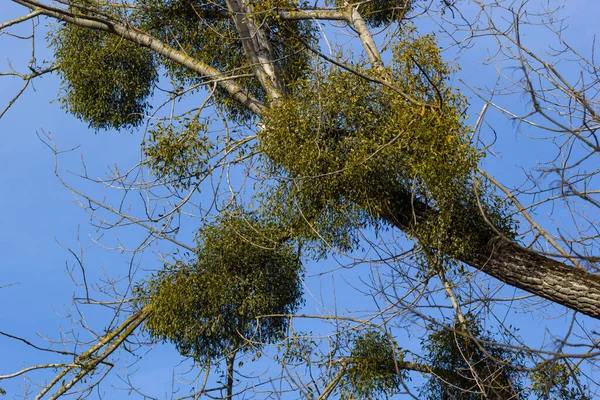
{"points": [[41, 218]]}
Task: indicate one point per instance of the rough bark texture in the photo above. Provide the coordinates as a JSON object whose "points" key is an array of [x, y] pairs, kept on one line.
{"points": [[572, 287], [257, 47], [512, 264]]}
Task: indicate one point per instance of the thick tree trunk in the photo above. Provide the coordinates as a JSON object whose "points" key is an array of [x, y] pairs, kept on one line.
{"points": [[512, 264], [572, 287]]}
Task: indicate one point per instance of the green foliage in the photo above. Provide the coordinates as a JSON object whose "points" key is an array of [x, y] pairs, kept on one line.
{"points": [[178, 151], [348, 146], [468, 355], [206, 31], [372, 370], [378, 13], [555, 380], [106, 80], [211, 306], [466, 221]]}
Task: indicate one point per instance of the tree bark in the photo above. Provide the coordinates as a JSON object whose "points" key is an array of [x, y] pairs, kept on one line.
{"points": [[574, 288], [510, 263], [257, 46], [230, 372]]}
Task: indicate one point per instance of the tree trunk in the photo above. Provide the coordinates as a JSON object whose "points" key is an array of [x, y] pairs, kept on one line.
{"points": [[512, 264], [230, 372]]}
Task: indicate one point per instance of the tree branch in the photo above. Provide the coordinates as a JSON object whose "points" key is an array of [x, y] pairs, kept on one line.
{"points": [[258, 49], [20, 19], [512, 264], [87, 361], [134, 35]]}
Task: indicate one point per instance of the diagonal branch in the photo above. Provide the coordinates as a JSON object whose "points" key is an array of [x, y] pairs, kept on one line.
{"points": [[89, 360], [511, 263], [141, 38], [258, 48], [364, 34], [20, 19]]}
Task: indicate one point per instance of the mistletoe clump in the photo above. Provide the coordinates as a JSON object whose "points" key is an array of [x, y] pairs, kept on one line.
{"points": [[178, 152], [206, 31], [232, 297], [106, 80], [372, 367], [349, 151], [477, 367]]}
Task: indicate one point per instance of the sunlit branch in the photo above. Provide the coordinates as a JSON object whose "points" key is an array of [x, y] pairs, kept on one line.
{"points": [[20, 19], [328, 15], [33, 368], [364, 34], [134, 35], [88, 360], [258, 48]]}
